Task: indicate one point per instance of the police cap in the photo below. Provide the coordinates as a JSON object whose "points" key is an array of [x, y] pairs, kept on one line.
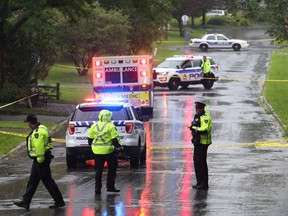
{"points": [[200, 104], [31, 118]]}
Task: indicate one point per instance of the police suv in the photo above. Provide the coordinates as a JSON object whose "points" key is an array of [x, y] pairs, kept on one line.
{"points": [[126, 120], [183, 70]]}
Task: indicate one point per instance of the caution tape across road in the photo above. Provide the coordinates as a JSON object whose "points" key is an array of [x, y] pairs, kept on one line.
{"points": [[275, 143]]}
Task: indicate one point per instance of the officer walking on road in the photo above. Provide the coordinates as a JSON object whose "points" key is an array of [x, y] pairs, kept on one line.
{"points": [[105, 142], [201, 138], [39, 149]]}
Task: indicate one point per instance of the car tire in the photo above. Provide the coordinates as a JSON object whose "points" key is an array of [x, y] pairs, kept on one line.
{"points": [[203, 47], [143, 156], [236, 47], [135, 157], [174, 83], [71, 161], [207, 83]]}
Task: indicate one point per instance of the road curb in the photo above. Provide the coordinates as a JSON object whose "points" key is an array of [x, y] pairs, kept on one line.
{"points": [[269, 108]]}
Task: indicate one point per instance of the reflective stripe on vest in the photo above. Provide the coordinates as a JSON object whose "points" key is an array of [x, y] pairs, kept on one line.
{"points": [[100, 136]]}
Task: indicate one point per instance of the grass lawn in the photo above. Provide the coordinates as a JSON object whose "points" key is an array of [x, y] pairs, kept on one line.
{"points": [[276, 92], [8, 142]]}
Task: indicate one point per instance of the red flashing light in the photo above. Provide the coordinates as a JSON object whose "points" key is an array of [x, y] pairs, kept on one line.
{"points": [[98, 63], [135, 60], [144, 86], [98, 75], [143, 61], [216, 67], [129, 127], [71, 129], [143, 73]]}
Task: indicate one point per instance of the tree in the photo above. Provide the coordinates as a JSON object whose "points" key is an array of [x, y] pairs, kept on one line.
{"points": [[100, 32], [278, 13], [27, 26], [147, 18]]}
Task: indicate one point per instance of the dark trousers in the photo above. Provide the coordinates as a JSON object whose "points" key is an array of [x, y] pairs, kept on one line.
{"points": [[112, 168], [42, 172], [200, 164]]}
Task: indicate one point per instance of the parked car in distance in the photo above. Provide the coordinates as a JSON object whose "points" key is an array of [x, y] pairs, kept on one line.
{"points": [[216, 13], [218, 41]]}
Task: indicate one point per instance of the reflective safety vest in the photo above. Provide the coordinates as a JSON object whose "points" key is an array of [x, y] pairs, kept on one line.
{"points": [[102, 134], [205, 129], [206, 65], [38, 142]]}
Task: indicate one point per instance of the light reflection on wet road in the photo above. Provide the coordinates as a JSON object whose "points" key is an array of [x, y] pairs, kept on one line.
{"points": [[243, 180]]}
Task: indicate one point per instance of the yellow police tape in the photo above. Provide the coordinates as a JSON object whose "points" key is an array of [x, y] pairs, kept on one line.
{"points": [[274, 143]]}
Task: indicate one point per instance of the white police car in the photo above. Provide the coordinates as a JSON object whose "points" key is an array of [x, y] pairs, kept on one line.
{"points": [[127, 121], [218, 41], [182, 70]]}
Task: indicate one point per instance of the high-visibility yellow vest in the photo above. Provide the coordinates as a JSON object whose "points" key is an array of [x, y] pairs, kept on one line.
{"points": [[102, 134], [206, 65], [206, 127], [38, 142]]}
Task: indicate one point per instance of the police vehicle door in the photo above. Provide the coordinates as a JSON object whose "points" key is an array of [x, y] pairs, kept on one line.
{"points": [[222, 41], [211, 40]]}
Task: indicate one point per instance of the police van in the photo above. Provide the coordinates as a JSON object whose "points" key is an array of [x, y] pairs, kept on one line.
{"points": [[183, 70], [126, 77]]}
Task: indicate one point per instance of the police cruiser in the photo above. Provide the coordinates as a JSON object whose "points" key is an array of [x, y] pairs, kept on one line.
{"points": [[218, 41], [127, 121], [183, 70]]}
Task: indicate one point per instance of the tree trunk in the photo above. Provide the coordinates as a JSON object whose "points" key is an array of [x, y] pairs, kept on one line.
{"points": [[180, 28], [203, 18], [192, 22]]}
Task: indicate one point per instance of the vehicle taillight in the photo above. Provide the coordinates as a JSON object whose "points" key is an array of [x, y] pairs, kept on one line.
{"points": [[98, 63], [143, 73], [216, 67], [98, 75], [71, 129], [129, 127], [143, 61]]}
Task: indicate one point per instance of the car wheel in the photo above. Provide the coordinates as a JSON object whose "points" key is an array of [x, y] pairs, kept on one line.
{"points": [[203, 47], [236, 47], [208, 83], [71, 161], [143, 156], [174, 83], [135, 157]]}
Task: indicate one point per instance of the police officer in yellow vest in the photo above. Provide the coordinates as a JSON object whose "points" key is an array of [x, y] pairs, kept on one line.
{"points": [[201, 127], [206, 65], [39, 149], [104, 139]]}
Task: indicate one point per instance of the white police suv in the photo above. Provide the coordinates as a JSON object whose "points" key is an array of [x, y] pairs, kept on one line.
{"points": [[126, 120], [183, 70]]}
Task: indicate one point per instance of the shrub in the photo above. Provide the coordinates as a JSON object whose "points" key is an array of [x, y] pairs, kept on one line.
{"points": [[217, 20], [9, 93]]}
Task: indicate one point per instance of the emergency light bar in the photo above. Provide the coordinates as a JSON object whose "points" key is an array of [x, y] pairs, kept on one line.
{"points": [[183, 56]]}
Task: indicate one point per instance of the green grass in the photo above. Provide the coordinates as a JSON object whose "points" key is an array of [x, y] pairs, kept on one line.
{"points": [[8, 142], [21, 125], [276, 92], [74, 94]]}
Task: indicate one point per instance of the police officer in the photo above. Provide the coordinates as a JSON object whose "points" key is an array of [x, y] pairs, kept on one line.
{"points": [[105, 142], [201, 131], [39, 149], [206, 66]]}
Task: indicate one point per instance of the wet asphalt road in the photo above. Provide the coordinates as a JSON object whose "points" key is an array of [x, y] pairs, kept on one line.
{"points": [[243, 179]]}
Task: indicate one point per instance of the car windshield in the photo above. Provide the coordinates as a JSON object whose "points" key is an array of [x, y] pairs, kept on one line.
{"points": [[91, 113], [170, 63]]}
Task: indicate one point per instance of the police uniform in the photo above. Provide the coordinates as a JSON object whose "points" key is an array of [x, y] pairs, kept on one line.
{"points": [[206, 66], [104, 141], [201, 131], [39, 149]]}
